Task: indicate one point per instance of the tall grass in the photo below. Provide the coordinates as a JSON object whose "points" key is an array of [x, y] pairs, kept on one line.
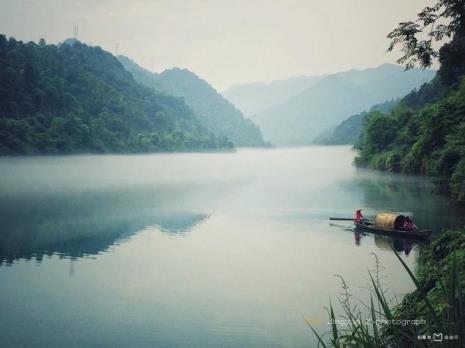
{"points": [[382, 329]]}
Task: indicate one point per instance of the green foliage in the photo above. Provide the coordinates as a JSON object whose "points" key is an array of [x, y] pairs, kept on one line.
{"points": [[443, 20], [426, 94], [76, 98], [457, 182], [440, 289], [427, 140], [215, 112], [437, 301], [425, 133], [452, 58], [349, 130], [379, 131]]}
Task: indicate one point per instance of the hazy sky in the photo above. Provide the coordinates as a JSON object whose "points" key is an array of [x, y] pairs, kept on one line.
{"points": [[224, 41]]}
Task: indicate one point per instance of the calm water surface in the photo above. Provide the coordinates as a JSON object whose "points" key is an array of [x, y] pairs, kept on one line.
{"points": [[192, 250]]}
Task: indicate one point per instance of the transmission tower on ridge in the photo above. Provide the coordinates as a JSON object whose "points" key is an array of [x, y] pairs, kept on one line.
{"points": [[75, 32]]}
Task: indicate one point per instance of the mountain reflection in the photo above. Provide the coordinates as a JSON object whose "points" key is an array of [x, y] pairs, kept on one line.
{"points": [[86, 223], [179, 225]]}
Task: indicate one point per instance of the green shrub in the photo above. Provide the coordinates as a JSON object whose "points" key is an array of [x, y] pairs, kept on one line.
{"points": [[438, 300]]}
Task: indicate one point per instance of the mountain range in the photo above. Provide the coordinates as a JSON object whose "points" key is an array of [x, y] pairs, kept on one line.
{"points": [[75, 98], [326, 101], [215, 112], [254, 98]]}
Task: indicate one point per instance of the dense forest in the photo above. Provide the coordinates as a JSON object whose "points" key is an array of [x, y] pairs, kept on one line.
{"points": [[215, 112], [74, 98], [349, 131], [425, 133]]}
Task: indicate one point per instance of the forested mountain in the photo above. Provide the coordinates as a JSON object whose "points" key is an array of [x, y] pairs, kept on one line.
{"points": [[301, 119], [349, 131], [215, 112], [76, 98], [425, 134], [253, 98]]}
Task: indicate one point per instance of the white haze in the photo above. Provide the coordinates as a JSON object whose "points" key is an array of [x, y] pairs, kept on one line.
{"points": [[226, 42]]}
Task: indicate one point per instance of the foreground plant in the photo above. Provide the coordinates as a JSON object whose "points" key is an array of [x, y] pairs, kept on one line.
{"points": [[436, 304]]}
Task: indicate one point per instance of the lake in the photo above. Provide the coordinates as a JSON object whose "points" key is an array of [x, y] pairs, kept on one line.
{"points": [[194, 250]]}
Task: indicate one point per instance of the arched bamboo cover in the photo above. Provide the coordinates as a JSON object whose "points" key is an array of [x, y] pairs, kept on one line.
{"points": [[389, 221]]}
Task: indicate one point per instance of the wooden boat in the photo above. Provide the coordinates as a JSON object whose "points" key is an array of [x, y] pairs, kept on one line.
{"points": [[390, 224]]}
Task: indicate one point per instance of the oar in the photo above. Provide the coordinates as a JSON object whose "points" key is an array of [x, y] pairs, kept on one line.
{"points": [[347, 228], [341, 219]]}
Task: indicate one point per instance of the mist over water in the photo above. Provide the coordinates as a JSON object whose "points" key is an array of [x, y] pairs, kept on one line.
{"points": [[198, 250]]}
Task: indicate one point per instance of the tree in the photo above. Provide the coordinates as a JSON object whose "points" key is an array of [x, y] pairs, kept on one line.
{"points": [[3, 43], [69, 99], [446, 19]]}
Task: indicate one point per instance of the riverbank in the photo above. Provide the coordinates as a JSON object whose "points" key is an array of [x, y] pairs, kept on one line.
{"points": [[440, 295], [433, 312], [421, 138]]}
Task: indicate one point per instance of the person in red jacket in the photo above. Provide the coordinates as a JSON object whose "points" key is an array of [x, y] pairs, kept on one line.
{"points": [[358, 216]]}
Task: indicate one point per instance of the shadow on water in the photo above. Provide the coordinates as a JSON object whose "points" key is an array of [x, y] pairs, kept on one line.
{"points": [[87, 223], [408, 195], [401, 245]]}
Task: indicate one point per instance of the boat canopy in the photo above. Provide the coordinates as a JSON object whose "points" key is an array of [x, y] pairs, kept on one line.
{"points": [[390, 221]]}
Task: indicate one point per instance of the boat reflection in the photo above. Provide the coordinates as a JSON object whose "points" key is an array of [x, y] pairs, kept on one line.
{"points": [[398, 244], [357, 237], [401, 245]]}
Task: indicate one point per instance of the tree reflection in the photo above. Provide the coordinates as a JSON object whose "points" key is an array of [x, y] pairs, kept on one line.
{"points": [[75, 225]]}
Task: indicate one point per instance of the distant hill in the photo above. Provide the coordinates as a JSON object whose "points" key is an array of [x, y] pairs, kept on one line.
{"points": [[303, 118], [70, 42], [349, 131], [215, 112], [74, 98], [253, 98]]}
